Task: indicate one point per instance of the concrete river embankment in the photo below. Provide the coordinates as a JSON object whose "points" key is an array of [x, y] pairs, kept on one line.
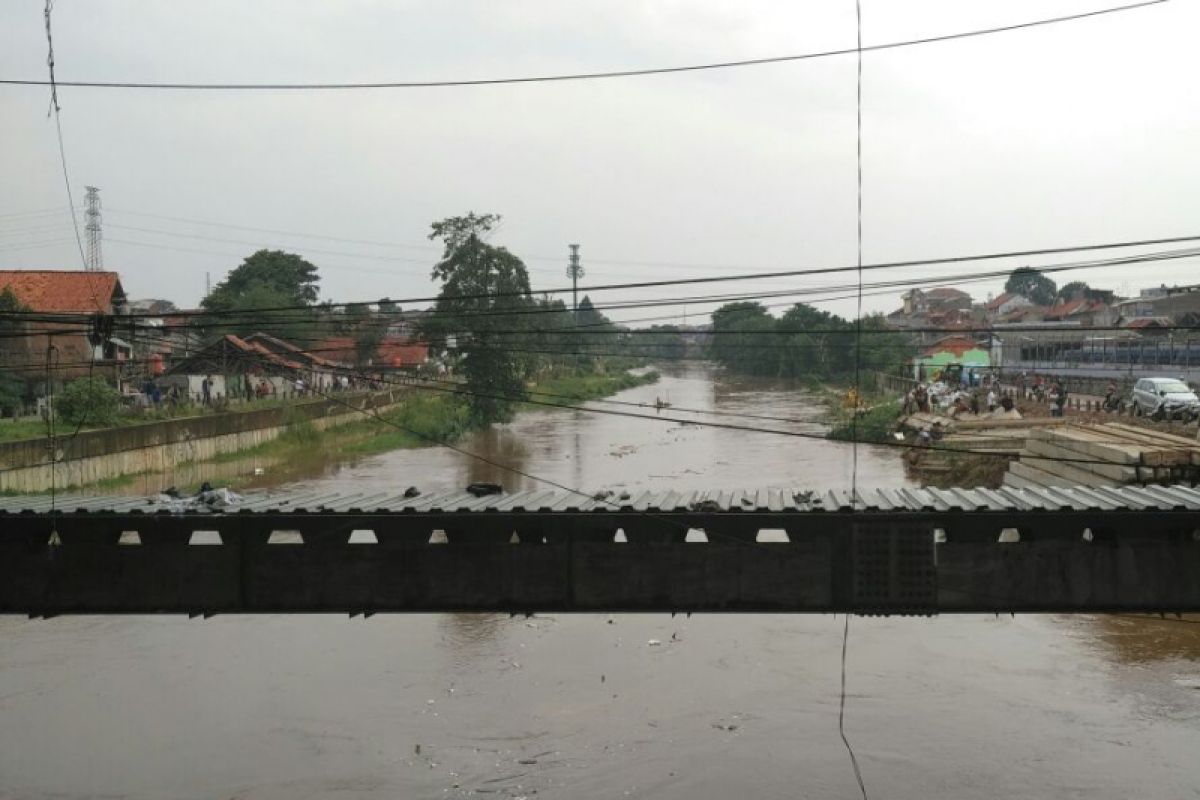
{"points": [[93, 456]]}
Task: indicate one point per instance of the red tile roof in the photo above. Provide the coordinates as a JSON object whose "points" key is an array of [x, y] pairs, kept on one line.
{"points": [[1072, 307], [952, 344], [64, 290], [946, 293], [265, 341], [402, 353], [393, 351], [992, 305], [1149, 322], [1021, 313]]}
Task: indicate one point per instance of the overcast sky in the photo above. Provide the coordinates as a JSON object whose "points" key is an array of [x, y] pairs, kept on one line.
{"points": [[1081, 132]]}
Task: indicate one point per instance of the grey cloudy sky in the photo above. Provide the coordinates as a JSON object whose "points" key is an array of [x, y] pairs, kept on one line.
{"points": [[1080, 132]]}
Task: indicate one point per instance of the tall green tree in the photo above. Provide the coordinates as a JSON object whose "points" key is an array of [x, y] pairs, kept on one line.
{"points": [[1073, 290], [657, 341], [1032, 284], [485, 292], [804, 342], [744, 337], [267, 279]]}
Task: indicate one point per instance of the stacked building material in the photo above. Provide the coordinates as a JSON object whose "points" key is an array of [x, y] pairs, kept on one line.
{"points": [[1107, 455], [983, 434]]}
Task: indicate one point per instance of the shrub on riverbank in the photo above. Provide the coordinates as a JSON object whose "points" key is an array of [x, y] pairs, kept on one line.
{"points": [[874, 425], [440, 417], [89, 401]]}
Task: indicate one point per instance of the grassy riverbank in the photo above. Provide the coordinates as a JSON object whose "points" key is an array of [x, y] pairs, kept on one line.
{"points": [[425, 418], [421, 419], [874, 423], [15, 430]]}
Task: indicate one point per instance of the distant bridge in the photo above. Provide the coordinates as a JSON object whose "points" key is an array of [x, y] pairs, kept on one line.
{"points": [[903, 551]]}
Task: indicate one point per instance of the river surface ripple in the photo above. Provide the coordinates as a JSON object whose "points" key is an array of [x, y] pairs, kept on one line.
{"points": [[462, 705]]}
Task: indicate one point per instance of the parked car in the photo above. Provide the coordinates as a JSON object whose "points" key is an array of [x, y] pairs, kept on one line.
{"points": [[1164, 398]]}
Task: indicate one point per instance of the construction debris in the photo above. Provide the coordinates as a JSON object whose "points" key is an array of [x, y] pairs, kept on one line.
{"points": [[1108, 455]]}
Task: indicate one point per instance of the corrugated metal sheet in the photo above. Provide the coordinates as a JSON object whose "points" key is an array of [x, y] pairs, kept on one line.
{"points": [[315, 501]]}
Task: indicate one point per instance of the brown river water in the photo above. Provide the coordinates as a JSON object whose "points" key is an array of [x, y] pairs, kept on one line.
{"points": [[485, 706]]}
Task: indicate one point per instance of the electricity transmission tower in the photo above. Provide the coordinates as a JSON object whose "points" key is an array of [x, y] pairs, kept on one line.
{"points": [[95, 254], [574, 272]]}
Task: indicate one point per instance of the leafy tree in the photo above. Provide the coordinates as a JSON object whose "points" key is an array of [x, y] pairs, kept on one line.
{"points": [[551, 338], [480, 282], [740, 331], [593, 335], [661, 341], [1073, 290], [267, 279], [89, 400], [1032, 284], [805, 342]]}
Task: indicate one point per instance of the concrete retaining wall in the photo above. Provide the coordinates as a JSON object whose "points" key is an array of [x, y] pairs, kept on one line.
{"points": [[27, 466]]}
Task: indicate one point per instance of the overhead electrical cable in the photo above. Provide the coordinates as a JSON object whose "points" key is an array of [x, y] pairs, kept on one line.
{"points": [[583, 76], [1114, 261]]}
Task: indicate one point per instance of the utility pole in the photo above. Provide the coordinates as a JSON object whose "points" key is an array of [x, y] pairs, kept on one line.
{"points": [[95, 255], [574, 272]]}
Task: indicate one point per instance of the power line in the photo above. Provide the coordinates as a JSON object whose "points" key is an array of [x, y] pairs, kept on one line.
{"points": [[858, 321], [55, 112], [302, 235], [36, 245], [859, 275], [259, 243], [1116, 261], [46, 212], [581, 76], [462, 391], [425, 248]]}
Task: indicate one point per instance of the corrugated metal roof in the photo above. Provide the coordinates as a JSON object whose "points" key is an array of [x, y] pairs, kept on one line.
{"points": [[311, 500]]}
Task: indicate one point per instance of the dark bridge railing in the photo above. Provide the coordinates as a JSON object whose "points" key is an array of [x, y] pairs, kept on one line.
{"points": [[1010, 554]]}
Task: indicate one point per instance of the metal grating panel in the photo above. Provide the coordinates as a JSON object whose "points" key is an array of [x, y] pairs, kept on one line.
{"points": [[894, 569]]}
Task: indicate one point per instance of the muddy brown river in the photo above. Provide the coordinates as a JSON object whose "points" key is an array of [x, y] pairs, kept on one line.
{"points": [[718, 706]]}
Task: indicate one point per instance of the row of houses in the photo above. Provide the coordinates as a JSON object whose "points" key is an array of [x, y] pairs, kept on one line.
{"points": [[79, 323], [1091, 331], [934, 312]]}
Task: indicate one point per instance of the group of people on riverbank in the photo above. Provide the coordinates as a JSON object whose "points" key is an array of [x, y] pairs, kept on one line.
{"points": [[957, 402], [212, 392]]}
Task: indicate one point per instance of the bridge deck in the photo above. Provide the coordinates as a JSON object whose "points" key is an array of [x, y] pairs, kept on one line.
{"points": [[771, 500], [780, 550]]}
